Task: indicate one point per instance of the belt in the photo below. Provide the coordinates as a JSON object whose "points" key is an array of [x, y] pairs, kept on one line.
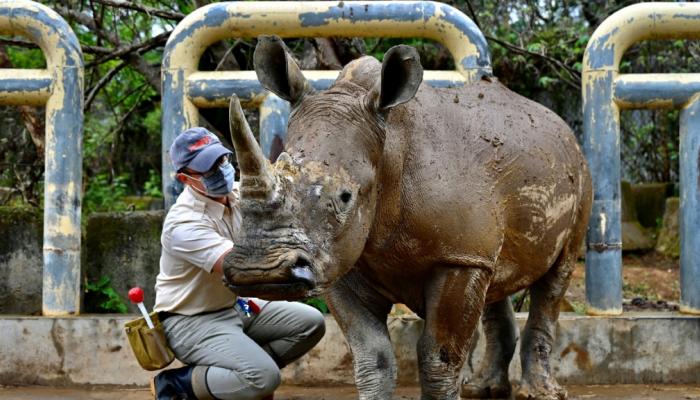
{"points": [[163, 315]]}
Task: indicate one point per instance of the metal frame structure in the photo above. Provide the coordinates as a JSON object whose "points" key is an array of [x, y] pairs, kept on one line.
{"points": [[185, 89], [605, 92], [60, 88]]}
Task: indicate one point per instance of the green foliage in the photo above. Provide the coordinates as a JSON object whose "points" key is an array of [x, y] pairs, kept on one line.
{"points": [[152, 123], [26, 58], [152, 187], [650, 145], [100, 296], [641, 289], [105, 194], [578, 306], [318, 303]]}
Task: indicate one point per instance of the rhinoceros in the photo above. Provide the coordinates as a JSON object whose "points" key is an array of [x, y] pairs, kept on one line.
{"points": [[447, 200]]}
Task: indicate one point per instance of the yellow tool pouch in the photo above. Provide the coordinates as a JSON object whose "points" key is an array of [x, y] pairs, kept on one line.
{"points": [[149, 345]]}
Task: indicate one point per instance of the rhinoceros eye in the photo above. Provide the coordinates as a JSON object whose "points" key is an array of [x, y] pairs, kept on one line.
{"points": [[345, 196]]}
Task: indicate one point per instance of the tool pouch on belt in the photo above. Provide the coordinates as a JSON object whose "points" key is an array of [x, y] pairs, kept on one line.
{"points": [[149, 345]]}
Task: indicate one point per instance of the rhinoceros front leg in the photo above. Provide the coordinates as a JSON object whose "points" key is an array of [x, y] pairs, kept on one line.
{"points": [[501, 334], [361, 313], [453, 304]]}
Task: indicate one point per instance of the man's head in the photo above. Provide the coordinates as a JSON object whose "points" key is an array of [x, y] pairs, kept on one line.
{"points": [[202, 162]]}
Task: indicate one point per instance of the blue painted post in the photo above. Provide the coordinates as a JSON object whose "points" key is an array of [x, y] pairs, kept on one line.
{"points": [[274, 115], [690, 207], [605, 91], [64, 132], [601, 146], [174, 122]]}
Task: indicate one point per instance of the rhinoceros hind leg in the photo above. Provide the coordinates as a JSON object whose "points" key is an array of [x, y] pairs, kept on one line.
{"points": [[501, 334], [454, 301], [538, 336], [361, 313]]}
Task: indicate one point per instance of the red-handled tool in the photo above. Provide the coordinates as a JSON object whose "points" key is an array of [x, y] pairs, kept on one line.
{"points": [[136, 296]]}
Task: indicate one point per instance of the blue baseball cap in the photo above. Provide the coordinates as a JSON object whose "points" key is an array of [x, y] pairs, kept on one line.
{"points": [[197, 149]]}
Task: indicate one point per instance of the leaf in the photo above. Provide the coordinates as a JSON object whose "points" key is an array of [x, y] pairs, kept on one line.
{"points": [[535, 47], [545, 81], [318, 303]]}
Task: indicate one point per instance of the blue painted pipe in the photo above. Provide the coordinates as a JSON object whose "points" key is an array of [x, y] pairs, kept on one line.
{"points": [[690, 207], [274, 115], [185, 89], [654, 91], [61, 293], [174, 122], [604, 240]]}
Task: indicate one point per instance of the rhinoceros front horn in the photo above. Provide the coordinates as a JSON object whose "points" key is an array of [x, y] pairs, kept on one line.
{"points": [[257, 179]]}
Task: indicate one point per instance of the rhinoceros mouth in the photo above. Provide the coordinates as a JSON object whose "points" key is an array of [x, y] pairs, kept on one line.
{"points": [[300, 284]]}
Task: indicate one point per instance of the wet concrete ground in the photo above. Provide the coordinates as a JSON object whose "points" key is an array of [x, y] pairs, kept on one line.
{"points": [[614, 392]]}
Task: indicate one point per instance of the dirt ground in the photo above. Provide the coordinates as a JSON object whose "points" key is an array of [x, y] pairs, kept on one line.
{"points": [[651, 281], [617, 392]]}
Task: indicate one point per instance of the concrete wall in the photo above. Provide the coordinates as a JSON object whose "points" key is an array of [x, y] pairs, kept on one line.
{"points": [[636, 348], [21, 265], [124, 247]]}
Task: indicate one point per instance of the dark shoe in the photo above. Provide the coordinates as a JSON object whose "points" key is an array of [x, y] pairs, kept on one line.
{"points": [[173, 384]]}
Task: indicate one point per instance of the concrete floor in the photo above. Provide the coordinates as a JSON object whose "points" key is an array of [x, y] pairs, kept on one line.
{"points": [[607, 392]]}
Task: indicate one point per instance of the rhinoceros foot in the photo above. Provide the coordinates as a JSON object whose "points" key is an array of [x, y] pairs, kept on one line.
{"points": [[543, 389], [492, 388]]}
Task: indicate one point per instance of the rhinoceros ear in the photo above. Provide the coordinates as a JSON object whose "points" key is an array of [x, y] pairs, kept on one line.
{"points": [[277, 70], [401, 76]]}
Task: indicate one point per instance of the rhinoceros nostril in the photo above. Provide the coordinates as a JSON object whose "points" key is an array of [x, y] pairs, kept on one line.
{"points": [[302, 262], [301, 272]]}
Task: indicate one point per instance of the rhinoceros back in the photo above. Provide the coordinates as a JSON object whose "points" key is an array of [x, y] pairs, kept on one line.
{"points": [[482, 164]]}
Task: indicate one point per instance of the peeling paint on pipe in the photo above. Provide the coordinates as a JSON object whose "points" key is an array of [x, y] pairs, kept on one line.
{"points": [[185, 88], [604, 93], [60, 88], [274, 115], [24, 86], [690, 207], [652, 91], [214, 89]]}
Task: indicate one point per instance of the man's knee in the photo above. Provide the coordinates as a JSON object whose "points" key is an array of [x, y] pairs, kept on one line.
{"points": [[314, 325], [251, 382], [272, 380], [264, 377]]}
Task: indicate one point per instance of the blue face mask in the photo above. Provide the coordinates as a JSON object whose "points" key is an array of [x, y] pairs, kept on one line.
{"points": [[220, 183]]}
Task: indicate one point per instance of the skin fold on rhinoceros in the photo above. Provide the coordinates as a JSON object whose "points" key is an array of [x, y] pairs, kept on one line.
{"points": [[391, 191]]}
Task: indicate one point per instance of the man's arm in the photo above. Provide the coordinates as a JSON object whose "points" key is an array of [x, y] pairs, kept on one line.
{"points": [[219, 264]]}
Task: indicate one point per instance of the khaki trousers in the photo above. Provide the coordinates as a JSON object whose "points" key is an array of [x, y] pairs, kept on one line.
{"points": [[243, 354]]}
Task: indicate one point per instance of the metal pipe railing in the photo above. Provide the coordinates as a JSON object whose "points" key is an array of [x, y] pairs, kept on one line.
{"points": [[604, 93], [60, 88], [185, 89]]}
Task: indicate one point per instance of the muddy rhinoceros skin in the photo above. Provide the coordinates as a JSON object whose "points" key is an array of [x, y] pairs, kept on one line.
{"points": [[391, 191]]}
